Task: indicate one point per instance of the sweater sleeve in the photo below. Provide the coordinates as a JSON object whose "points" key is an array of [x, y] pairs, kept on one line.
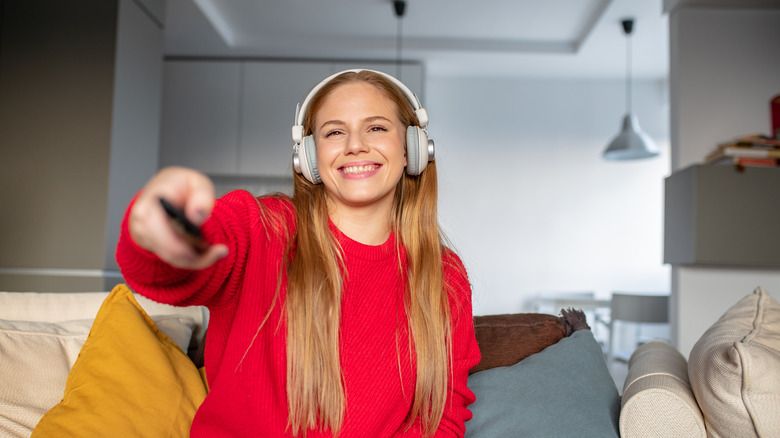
{"points": [[233, 221]]}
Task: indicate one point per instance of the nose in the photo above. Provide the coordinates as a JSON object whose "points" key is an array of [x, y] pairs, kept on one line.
{"points": [[356, 144]]}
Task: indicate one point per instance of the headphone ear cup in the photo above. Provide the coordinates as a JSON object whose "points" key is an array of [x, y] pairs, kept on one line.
{"points": [[307, 160], [416, 150]]}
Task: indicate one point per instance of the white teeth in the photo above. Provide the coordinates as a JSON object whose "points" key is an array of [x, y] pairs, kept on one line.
{"points": [[358, 169]]}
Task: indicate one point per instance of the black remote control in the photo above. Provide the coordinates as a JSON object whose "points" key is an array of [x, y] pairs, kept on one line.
{"points": [[186, 229]]}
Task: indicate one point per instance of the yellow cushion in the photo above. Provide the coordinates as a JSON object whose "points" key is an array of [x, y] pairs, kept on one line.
{"points": [[129, 378]]}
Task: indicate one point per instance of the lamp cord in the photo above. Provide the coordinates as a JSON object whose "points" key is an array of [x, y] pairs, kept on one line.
{"points": [[399, 48], [628, 73]]}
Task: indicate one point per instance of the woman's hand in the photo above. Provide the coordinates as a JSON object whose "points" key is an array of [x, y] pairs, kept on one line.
{"points": [[152, 229]]}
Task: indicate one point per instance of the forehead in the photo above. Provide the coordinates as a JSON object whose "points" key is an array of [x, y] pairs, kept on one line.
{"points": [[357, 97]]}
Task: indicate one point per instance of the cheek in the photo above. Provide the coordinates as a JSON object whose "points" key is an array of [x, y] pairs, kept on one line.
{"points": [[402, 156], [402, 142], [325, 154]]}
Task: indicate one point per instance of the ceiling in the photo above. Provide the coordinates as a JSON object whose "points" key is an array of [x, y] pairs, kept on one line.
{"points": [[514, 38]]}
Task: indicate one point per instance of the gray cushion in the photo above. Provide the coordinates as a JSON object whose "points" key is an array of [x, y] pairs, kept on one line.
{"points": [[564, 390]]}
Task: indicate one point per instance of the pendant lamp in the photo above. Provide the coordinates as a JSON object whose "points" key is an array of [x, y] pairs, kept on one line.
{"points": [[631, 143]]}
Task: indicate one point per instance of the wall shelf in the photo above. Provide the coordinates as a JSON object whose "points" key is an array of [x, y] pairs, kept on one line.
{"points": [[719, 215]]}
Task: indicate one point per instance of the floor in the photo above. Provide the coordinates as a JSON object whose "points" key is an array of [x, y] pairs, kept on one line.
{"points": [[618, 367], [618, 370], [626, 341]]}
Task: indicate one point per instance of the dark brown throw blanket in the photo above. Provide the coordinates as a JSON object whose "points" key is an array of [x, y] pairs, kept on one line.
{"points": [[507, 339]]}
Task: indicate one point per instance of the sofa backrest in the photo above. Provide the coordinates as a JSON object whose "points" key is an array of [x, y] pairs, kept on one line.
{"points": [[67, 306]]}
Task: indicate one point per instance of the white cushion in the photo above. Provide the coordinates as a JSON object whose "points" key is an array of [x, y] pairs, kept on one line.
{"points": [[41, 335], [734, 370], [35, 359], [657, 397]]}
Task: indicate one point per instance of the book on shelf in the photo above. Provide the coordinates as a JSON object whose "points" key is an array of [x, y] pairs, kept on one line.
{"points": [[774, 109], [751, 150], [753, 141], [739, 152], [747, 162]]}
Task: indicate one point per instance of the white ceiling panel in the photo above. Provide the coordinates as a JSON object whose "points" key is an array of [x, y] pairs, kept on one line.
{"points": [[580, 38]]}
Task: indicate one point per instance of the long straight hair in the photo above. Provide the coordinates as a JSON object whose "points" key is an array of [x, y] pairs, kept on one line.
{"points": [[315, 390]]}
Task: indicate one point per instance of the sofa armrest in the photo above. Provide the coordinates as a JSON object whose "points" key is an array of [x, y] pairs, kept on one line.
{"points": [[657, 396]]}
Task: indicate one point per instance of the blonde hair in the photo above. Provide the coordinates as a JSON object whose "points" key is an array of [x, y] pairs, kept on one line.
{"points": [[315, 392]]}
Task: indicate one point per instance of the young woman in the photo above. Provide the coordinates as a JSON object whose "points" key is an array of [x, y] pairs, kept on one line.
{"points": [[337, 312]]}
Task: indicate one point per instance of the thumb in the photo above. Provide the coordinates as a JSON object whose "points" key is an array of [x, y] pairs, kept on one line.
{"points": [[212, 255]]}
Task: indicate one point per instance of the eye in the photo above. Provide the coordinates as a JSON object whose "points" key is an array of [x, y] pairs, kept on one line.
{"points": [[377, 128], [332, 133]]}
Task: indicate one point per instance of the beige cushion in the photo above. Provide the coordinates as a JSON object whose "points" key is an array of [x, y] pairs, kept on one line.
{"points": [[735, 370], [36, 356], [657, 397]]}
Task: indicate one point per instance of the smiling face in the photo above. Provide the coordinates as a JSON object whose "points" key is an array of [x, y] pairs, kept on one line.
{"points": [[360, 147]]}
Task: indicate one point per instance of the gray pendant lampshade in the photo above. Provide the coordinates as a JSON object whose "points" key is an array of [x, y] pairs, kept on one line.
{"points": [[631, 143]]}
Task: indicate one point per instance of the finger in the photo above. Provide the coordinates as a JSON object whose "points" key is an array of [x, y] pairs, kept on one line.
{"points": [[168, 244], [178, 184], [147, 223], [200, 199], [188, 258]]}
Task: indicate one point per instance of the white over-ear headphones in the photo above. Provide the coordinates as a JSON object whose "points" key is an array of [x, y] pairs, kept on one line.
{"points": [[419, 149]]}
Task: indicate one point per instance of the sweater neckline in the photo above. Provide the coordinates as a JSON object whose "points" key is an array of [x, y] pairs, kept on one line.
{"points": [[353, 248]]}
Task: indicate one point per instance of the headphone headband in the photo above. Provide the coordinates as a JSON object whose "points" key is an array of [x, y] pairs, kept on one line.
{"points": [[300, 110]]}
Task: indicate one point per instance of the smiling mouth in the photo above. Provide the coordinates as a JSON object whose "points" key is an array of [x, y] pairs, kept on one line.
{"points": [[353, 170]]}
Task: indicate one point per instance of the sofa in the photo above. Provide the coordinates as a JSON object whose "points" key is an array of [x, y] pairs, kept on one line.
{"points": [[729, 387], [64, 358]]}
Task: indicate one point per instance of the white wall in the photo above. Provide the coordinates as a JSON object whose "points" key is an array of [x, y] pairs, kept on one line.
{"points": [[526, 198], [724, 69]]}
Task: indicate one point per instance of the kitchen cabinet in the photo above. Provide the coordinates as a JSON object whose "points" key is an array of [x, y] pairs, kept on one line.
{"points": [[270, 95], [234, 117], [200, 115]]}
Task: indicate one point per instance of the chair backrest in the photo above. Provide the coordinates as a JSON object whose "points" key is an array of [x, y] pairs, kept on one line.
{"points": [[640, 308], [554, 301]]}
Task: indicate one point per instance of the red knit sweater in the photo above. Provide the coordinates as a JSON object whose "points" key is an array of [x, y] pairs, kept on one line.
{"points": [[247, 378]]}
